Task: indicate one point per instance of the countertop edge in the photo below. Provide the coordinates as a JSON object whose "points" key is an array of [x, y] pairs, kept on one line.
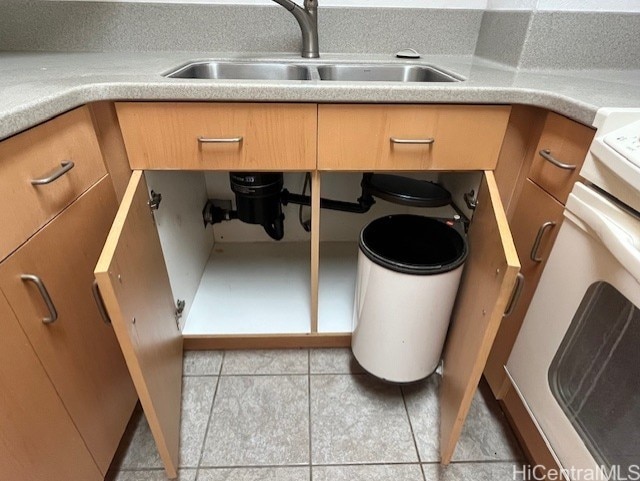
{"points": [[24, 116]]}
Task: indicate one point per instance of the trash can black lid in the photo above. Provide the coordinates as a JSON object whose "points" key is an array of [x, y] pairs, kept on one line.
{"points": [[413, 244], [406, 191]]}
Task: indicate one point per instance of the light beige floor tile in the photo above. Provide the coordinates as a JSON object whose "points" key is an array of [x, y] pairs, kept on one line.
{"points": [[141, 451], [156, 475], [363, 472], [268, 361], [485, 436], [255, 474], [473, 472], [333, 361], [259, 420], [202, 363], [358, 419], [424, 413], [197, 397]]}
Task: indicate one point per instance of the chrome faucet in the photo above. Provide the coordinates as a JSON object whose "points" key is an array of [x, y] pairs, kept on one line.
{"points": [[307, 18]]}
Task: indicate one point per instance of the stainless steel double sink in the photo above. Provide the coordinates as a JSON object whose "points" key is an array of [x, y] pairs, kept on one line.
{"points": [[329, 71]]}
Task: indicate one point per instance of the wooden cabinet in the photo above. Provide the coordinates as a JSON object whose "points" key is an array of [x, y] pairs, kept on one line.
{"points": [[410, 137], [559, 155], [136, 288], [133, 276], [66, 393], [552, 169], [42, 171], [535, 225], [133, 279], [219, 136], [38, 439], [77, 349]]}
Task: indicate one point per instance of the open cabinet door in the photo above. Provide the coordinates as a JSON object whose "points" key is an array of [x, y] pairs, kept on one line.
{"points": [[487, 282], [134, 284]]}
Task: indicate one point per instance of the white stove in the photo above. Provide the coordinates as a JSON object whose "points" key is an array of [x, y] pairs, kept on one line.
{"points": [[613, 161], [576, 363]]}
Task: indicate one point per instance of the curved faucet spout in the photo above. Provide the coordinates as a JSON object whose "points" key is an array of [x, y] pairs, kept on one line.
{"points": [[307, 18]]}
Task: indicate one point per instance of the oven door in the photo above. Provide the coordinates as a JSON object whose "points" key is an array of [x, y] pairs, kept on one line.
{"points": [[576, 362]]}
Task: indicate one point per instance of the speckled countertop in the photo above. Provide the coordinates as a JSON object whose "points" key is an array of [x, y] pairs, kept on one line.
{"points": [[37, 86]]}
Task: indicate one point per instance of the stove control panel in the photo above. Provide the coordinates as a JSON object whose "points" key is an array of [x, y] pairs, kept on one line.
{"points": [[626, 142]]}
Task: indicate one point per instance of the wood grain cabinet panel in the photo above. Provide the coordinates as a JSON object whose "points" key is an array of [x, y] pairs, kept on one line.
{"points": [[219, 136], [37, 154], [410, 137], [567, 142], [38, 439], [536, 222], [79, 350]]}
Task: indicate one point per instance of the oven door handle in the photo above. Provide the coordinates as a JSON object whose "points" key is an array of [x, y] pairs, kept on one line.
{"points": [[618, 241]]}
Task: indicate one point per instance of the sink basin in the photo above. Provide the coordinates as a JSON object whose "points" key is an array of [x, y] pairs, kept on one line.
{"points": [[211, 69], [242, 71], [384, 73]]}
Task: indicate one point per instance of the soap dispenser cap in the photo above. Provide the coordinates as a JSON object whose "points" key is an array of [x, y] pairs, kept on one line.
{"points": [[408, 53]]}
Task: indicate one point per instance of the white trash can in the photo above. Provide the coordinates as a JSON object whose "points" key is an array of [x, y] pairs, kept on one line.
{"points": [[409, 269]]}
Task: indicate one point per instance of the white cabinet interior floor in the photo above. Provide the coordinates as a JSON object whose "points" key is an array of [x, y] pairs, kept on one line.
{"points": [[253, 287], [235, 280]]}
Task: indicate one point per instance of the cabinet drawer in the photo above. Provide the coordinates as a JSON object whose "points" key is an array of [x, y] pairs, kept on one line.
{"points": [[410, 137], [559, 155], [78, 350], [37, 154], [219, 136]]}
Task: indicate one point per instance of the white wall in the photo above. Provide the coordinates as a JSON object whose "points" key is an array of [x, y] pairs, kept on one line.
{"points": [[566, 5]]}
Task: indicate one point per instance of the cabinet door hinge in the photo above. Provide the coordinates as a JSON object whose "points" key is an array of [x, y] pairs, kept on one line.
{"points": [[154, 202], [180, 305]]}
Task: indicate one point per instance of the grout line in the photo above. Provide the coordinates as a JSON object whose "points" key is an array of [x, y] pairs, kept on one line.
{"points": [[413, 434], [309, 404], [206, 431], [323, 465], [278, 374], [284, 374]]}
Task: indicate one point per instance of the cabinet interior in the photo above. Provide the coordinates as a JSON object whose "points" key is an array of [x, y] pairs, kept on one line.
{"points": [[236, 280]]}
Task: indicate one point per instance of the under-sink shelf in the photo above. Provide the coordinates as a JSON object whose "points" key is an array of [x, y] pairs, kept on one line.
{"points": [[253, 288], [336, 286], [264, 288]]}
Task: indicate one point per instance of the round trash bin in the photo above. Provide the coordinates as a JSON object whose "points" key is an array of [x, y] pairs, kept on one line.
{"points": [[409, 269]]}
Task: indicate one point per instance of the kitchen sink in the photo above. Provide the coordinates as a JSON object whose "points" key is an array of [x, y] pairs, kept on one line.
{"points": [[242, 71], [384, 73], [210, 69]]}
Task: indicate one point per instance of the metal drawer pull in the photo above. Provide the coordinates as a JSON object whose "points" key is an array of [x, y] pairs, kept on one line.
{"points": [[100, 303], [536, 243], [429, 141], [53, 314], [546, 155], [65, 167], [229, 140], [515, 297]]}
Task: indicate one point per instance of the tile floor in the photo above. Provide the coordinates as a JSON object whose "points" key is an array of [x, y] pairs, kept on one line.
{"points": [[302, 415]]}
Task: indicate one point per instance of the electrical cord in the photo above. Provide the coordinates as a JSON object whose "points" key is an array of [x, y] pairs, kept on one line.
{"points": [[306, 224]]}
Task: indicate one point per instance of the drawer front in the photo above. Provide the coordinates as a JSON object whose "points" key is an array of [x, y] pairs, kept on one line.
{"points": [[219, 136], [559, 155], [410, 137], [78, 350], [38, 154]]}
